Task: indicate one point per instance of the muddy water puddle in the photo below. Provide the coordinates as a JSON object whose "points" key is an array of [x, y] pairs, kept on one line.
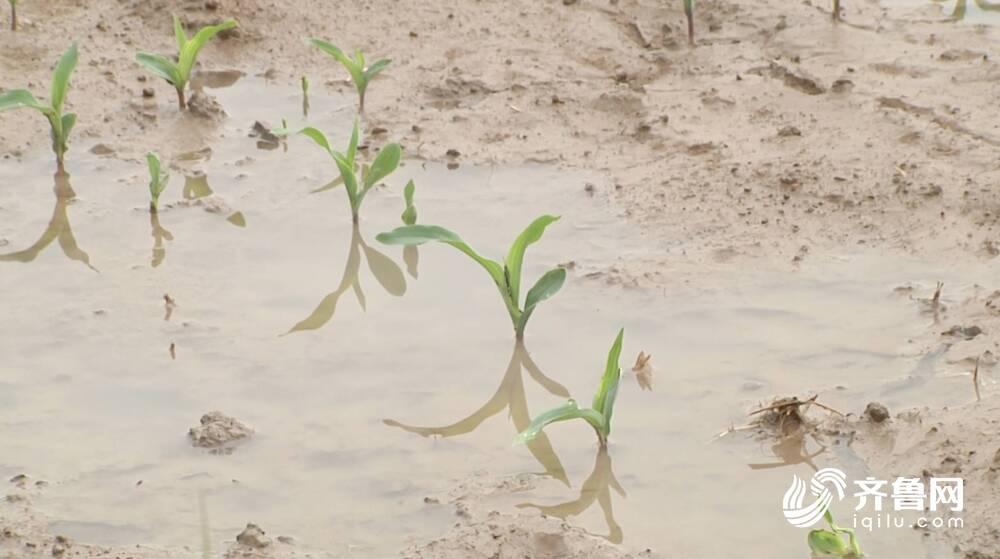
{"points": [[375, 379]]}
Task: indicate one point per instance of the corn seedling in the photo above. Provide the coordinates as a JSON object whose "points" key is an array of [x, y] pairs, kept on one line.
{"points": [[598, 415], [385, 163], [509, 397], [830, 543], [179, 74], [360, 74], [689, 13], [60, 124], [13, 15], [158, 180], [506, 276]]}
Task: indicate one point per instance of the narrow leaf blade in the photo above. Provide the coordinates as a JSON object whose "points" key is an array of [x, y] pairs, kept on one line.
{"points": [[22, 98], [160, 66], [187, 56], [385, 163], [604, 399], [567, 411], [375, 68], [515, 257], [60, 79], [546, 286], [420, 234]]}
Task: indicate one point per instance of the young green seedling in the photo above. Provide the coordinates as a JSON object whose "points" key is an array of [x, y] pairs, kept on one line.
{"points": [[13, 15], [305, 96], [385, 163], [836, 10], [178, 74], [506, 276], [830, 543], [598, 415], [157, 181], [689, 12], [360, 75], [60, 124]]}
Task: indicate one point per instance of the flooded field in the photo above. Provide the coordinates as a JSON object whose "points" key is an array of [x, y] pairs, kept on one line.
{"points": [[773, 212], [374, 381]]}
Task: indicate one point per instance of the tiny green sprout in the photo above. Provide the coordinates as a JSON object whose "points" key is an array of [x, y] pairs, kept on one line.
{"points": [[360, 74], [178, 74], [506, 276], [305, 96], [13, 15], [836, 10], [598, 415], [157, 181], [409, 215], [689, 13], [830, 543], [385, 163], [60, 124]]}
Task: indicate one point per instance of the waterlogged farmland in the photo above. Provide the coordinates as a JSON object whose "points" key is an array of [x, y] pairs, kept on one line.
{"points": [[285, 304]]}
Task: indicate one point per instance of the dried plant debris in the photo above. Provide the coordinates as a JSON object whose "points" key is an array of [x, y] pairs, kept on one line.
{"points": [[788, 415], [643, 371]]}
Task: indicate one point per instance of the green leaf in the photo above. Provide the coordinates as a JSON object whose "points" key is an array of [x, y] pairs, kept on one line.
{"points": [[515, 257], [376, 68], [385, 163], [356, 71], [68, 122], [161, 67], [154, 167], [410, 213], [546, 286], [350, 179], [179, 33], [420, 234], [22, 98], [567, 411], [187, 56], [604, 399], [316, 136], [60, 79], [352, 147]]}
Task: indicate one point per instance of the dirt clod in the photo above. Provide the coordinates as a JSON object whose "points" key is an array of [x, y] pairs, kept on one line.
{"points": [[205, 106], [252, 536], [218, 430], [876, 412]]}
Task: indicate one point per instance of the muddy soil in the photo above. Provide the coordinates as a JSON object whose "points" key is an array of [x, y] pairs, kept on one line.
{"points": [[778, 140]]}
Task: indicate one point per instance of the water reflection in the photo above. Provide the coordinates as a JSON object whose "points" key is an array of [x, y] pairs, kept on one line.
{"points": [[381, 266], [960, 10], [510, 396], [159, 235], [196, 187], [790, 451], [59, 228], [597, 487]]}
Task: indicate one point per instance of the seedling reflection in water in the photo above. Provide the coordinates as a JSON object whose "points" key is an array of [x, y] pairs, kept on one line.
{"points": [[382, 267], [13, 15], [411, 256], [830, 543], [507, 276], [511, 396], [360, 75], [60, 124], [597, 487], [58, 228], [598, 415], [179, 74], [385, 163]]}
